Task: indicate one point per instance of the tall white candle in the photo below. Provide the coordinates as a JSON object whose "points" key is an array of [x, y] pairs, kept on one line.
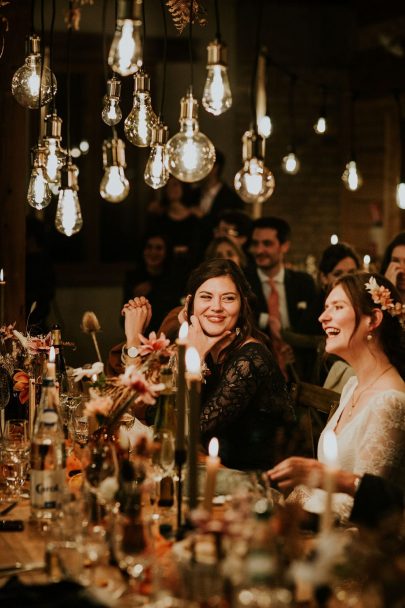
{"points": [[50, 366], [194, 384], [212, 464], [181, 387], [2, 296], [31, 405], [331, 455]]}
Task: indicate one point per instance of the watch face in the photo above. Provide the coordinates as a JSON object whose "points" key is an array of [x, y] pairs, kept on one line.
{"points": [[132, 352]]}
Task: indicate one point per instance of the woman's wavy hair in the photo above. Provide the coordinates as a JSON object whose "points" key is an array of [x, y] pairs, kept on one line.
{"points": [[227, 268], [399, 239], [390, 333]]}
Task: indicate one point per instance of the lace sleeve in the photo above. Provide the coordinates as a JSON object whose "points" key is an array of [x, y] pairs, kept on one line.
{"points": [[238, 382], [382, 448]]}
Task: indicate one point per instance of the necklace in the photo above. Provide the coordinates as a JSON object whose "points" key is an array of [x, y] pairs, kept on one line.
{"points": [[355, 401]]}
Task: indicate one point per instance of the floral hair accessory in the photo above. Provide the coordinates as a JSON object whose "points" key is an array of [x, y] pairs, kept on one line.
{"points": [[382, 295]]}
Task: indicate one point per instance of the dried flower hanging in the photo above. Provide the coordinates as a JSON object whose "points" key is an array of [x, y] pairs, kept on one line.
{"points": [[73, 14], [180, 12]]}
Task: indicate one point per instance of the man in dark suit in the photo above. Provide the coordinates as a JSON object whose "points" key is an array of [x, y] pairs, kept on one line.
{"points": [[291, 291]]}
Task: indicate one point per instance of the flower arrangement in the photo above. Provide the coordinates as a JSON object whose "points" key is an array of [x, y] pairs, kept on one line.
{"points": [[382, 295]]}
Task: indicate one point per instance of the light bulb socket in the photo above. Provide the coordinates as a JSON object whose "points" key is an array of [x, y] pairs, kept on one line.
{"points": [[114, 88], [160, 134], [254, 145], [53, 126], [39, 156], [129, 9], [188, 107], [33, 45], [217, 53], [141, 82], [113, 153], [68, 177]]}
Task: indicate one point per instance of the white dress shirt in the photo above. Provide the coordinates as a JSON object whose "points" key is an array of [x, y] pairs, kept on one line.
{"points": [[282, 297]]}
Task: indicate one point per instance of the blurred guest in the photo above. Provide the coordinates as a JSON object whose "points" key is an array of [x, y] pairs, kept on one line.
{"points": [[236, 225], [224, 247], [155, 277], [393, 263], [173, 216]]}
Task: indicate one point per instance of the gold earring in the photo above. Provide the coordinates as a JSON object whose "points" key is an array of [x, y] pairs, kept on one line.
{"points": [[370, 337]]}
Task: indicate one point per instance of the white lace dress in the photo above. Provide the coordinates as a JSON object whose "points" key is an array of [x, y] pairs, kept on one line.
{"points": [[372, 442]]}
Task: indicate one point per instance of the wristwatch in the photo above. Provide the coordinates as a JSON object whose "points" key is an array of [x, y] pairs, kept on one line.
{"points": [[130, 352]]}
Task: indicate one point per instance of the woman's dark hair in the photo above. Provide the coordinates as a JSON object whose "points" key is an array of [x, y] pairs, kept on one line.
{"points": [[157, 234], [227, 268], [398, 240], [333, 254], [390, 332], [211, 251]]}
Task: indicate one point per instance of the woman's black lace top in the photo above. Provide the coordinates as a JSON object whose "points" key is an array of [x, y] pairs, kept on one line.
{"points": [[245, 403]]}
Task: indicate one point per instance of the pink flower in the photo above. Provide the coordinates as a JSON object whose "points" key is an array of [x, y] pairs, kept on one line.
{"points": [[152, 344], [36, 344], [147, 392], [98, 406]]}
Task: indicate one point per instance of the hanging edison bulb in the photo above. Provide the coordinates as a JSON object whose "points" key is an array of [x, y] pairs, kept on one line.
{"points": [[114, 186], [27, 86], [69, 219], [351, 177], [320, 127], [401, 195], [291, 163], [55, 155], [156, 172], [39, 194], [254, 183], [217, 96], [264, 126], [126, 52], [191, 155], [111, 113], [139, 122]]}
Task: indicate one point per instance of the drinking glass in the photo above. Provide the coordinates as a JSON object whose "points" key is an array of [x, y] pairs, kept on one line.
{"points": [[70, 400], [15, 456]]}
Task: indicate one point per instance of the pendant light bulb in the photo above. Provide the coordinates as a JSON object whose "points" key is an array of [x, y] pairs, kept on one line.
{"points": [[114, 186], [39, 194], [320, 127], [264, 126], [27, 86], [69, 219], [156, 172], [139, 122], [217, 96], [254, 183], [191, 154], [126, 52], [401, 195], [55, 155], [111, 113], [291, 164], [351, 177]]}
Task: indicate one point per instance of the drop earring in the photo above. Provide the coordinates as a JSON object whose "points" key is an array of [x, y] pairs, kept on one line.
{"points": [[370, 337]]}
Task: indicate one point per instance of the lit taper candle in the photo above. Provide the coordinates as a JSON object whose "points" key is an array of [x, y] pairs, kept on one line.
{"points": [[193, 367]]}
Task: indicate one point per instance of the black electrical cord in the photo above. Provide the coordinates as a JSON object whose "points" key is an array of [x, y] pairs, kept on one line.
{"points": [[51, 35], [162, 101], [256, 60], [217, 21], [190, 46], [68, 78]]}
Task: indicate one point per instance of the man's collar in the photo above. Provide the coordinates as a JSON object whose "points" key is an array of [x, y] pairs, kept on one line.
{"points": [[278, 278]]}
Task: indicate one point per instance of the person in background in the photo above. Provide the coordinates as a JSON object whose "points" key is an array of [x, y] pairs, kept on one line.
{"points": [[283, 295], [225, 248], [173, 216], [393, 263], [155, 277], [236, 225], [365, 327]]}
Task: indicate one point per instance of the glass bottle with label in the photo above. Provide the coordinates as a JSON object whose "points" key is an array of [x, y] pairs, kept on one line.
{"points": [[48, 458], [60, 363]]}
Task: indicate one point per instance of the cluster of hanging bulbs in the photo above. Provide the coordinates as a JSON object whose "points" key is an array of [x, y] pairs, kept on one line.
{"points": [[33, 86]]}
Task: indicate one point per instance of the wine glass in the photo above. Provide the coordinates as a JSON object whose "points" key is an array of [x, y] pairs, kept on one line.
{"points": [[70, 400], [4, 396], [15, 456]]}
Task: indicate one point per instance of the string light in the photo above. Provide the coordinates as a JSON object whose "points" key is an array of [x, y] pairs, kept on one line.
{"points": [[217, 96], [114, 186], [55, 155], [190, 153], [126, 52], [254, 183], [156, 171], [69, 219], [351, 177], [29, 86], [139, 122], [320, 127]]}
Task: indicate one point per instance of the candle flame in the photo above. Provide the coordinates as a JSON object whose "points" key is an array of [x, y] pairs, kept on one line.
{"points": [[52, 354], [94, 378], [330, 447], [183, 332], [213, 447], [193, 364], [366, 260], [334, 239]]}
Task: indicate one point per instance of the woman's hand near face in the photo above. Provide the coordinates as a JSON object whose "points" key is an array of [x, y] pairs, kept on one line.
{"points": [[392, 272], [295, 471], [202, 342], [137, 313]]}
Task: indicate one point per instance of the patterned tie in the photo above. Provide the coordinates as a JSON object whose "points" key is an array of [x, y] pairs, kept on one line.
{"points": [[273, 305]]}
